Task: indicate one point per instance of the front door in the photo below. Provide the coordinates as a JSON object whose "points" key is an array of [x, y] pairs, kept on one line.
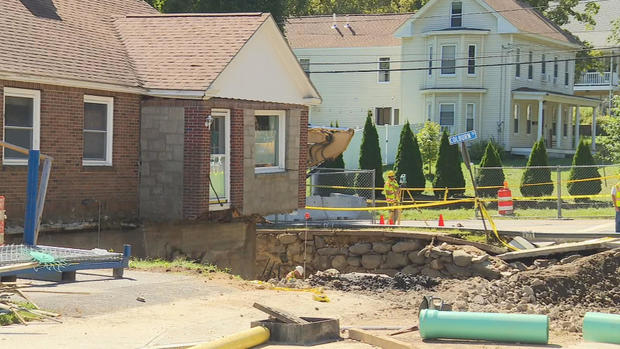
{"points": [[219, 175]]}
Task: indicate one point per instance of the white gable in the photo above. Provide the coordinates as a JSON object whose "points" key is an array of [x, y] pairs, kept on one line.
{"points": [[265, 69]]}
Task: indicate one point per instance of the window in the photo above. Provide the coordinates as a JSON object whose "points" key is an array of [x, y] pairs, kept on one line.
{"points": [[383, 116], [270, 140], [98, 116], [543, 66], [396, 116], [529, 119], [429, 112], [446, 114], [471, 61], [518, 64], [430, 60], [469, 116], [384, 69], [555, 69], [530, 67], [565, 130], [448, 60], [566, 75], [457, 15], [305, 65], [515, 127], [22, 110]]}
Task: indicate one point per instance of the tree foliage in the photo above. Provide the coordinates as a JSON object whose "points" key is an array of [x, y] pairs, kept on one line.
{"points": [[448, 170], [583, 157], [409, 160], [370, 152], [608, 147], [490, 177], [533, 175], [561, 11], [428, 139]]}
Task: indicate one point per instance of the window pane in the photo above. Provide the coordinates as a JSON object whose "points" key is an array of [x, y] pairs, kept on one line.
{"points": [[18, 111], [470, 117], [396, 116], [384, 66], [430, 60], [218, 135], [383, 116], [266, 146], [448, 61], [446, 114], [457, 17], [94, 145], [95, 116], [22, 138], [471, 62]]}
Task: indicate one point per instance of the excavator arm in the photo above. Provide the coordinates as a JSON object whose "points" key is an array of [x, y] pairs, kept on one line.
{"points": [[326, 143]]}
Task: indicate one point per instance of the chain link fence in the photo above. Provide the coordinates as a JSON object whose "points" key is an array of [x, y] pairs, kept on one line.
{"points": [[550, 187], [333, 187]]}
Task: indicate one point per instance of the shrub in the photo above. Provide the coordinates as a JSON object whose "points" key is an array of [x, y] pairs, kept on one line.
{"points": [[490, 177], [583, 157], [370, 152], [532, 176], [428, 139], [409, 159], [478, 148], [448, 171]]}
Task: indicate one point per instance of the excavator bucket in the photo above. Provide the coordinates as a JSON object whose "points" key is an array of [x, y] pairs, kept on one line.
{"points": [[326, 143]]}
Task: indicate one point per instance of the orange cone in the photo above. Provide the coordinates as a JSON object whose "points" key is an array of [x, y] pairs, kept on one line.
{"points": [[391, 221], [441, 224], [381, 220]]}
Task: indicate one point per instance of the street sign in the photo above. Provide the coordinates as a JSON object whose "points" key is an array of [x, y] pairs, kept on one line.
{"points": [[463, 137]]}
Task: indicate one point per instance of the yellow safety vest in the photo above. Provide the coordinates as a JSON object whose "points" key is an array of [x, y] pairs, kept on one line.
{"points": [[391, 190], [618, 193]]}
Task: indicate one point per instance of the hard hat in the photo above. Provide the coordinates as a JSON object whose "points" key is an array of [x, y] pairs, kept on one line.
{"points": [[299, 269], [391, 173]]}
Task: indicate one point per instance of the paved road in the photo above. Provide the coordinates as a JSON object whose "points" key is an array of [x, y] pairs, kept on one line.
{"points": [[531, 225]]}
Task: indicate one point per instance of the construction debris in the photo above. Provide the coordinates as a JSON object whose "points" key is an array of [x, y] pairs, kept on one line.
{"points": [[9, 292], [588, 245], [372, 282]]}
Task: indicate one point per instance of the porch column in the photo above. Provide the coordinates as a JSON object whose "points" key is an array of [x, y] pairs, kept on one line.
{"points": [[558, 128], [577, 123], [594, 115], [540, 120]]}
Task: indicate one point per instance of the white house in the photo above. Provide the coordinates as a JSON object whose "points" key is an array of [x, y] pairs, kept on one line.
{"points": [[495, 66]]}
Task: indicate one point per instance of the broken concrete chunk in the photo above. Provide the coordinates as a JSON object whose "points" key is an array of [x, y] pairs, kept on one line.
{"points": [[480, 259], [518, 265], [461, 258], [437, 252]]}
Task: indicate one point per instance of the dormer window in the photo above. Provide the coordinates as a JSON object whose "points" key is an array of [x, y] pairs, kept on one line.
{"points": [[457, 15]]}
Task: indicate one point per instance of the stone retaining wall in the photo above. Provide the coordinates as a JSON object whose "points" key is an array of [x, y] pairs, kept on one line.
{"points": [[372, 253]]}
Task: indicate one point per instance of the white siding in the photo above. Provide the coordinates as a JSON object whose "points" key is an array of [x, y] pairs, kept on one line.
{"points": [[438, 17]]}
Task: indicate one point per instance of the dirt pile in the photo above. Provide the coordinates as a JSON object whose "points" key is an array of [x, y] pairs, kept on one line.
{"points": [[372, 282]]}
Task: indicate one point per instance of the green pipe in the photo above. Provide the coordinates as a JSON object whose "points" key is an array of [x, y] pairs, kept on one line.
{"points": [[601, 327], [522, 328]]}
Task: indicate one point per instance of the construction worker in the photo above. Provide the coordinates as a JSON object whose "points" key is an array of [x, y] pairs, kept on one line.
{"points": [[392, 194], [297, 273], [615, 197]]}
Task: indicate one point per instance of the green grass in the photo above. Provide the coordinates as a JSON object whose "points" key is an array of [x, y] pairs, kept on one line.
{"points": [[10, 318], [179, 263]]}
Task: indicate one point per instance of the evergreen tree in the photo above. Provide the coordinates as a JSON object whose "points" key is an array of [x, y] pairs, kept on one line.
{"points": [[532, 176], [409, 159], [370, 152], [490, 177], [448, 171], [583, 157]]}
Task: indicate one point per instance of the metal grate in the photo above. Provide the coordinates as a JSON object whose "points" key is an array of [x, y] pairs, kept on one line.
{"points": [[13, 254]]}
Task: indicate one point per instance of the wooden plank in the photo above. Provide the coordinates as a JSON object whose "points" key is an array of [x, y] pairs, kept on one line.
{"points": [[281, 315], [379, 341], [17, 267], [560, 248], [445, 238]]}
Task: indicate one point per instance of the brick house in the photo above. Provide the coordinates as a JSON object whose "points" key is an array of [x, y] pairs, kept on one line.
{"points": [[119, 95]]}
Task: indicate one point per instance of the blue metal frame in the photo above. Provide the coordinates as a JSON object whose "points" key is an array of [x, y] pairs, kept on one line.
{"points": [[31, 198]]}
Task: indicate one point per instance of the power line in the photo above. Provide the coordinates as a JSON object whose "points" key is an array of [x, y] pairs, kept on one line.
{"points": [[457, 58], [455, 67]]}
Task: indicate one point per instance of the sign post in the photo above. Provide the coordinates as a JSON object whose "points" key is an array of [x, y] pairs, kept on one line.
{"points": [[462, 138]]}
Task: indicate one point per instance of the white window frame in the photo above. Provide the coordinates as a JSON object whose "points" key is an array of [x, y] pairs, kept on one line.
{"points": [[453, 117], [36, 119], [441, 74], [281, 114], [473, 116], [454, 16], [109, 102], [472, 58], [382, 71], [214, 206]]}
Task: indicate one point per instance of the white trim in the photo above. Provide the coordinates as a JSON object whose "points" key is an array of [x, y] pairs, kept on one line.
{"points": [[454, 32], [35, 95], [453, 90], [226, 114], [109, 102], [281, 114], [184, 94], [441, 74], [380, 71]]}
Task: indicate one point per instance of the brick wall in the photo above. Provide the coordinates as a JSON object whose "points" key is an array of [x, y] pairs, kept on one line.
{"points": [[197, 156], [62, 119]]}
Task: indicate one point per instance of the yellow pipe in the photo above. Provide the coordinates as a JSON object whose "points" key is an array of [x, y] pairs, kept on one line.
{"points": [[241, 340]]}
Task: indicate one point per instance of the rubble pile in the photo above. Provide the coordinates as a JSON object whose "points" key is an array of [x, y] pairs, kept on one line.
{"points": [[331, 278]]}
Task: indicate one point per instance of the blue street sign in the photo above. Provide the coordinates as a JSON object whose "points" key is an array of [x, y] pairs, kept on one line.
{"points": [[463, 137]]}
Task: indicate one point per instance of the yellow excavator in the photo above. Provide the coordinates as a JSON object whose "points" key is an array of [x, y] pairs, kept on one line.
{"points": [[326, 143]]}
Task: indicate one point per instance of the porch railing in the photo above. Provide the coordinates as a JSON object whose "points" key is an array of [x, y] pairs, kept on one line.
{"points": [[596, 78]]}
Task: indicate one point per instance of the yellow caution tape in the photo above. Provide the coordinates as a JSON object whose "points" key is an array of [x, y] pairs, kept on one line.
{"points": [[487, 216], [397, 207]]}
